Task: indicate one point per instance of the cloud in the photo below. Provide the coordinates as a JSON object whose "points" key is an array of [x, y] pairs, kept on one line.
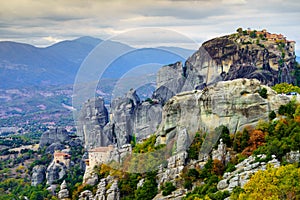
{"points": [[33, 21], [52, 39]]}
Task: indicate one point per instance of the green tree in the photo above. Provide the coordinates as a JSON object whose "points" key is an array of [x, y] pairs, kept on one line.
{"points": [[36, 196], [253, 34], [224, 135], [272, 115], [263, 93], [149, 189], [167, 188], [193, 151], [239, 30]]}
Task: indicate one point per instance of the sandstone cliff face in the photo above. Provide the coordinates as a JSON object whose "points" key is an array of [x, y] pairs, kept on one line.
{"points": [[147, 118], [170, 80], [122, 110], [91, 121], [57, 135], [227, 58], [38, 175], [129, 118], [234, 104], [55, 171], [235, 56]]}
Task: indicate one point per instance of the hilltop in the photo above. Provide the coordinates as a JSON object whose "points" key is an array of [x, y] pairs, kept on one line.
{"points": [[267, 57]]}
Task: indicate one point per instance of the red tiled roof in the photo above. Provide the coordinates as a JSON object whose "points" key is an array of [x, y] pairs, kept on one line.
{"points": [[61, 154], [100, 149]]}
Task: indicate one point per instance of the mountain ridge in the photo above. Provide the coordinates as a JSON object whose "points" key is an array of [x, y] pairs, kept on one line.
{"points": [[23, 64]]}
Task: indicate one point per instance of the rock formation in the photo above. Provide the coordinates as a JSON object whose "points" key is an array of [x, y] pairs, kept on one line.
{"points": [[147, 117], [129, 118], [55, 171], [86, 195], [293, 157], [176, 195], [122, 110], [227, 58], [170, 81], [103, 193], [220, 153], [38, 175], [174, 167], [113, 193], [235, 56], [54, 147], [243, 172], [91, 121], [234, 104], [63, 192], [101, 190], [57, 135]]}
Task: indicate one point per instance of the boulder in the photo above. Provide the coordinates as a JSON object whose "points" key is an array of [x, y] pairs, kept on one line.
{"points": [[244, 170], [101, 190], [113, 193], [55, 171], [56, 135], [63, 192], [86, 195], [55, 146], [38, 175]]}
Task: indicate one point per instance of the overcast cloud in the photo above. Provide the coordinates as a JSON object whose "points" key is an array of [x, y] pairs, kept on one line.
{"points": [[43, 23]]}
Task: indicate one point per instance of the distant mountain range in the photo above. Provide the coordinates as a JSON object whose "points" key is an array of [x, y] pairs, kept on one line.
{"points": [[26, 65]]}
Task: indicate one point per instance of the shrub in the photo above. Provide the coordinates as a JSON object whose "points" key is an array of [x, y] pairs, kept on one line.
{"points": [[230, 167], [193, 151], [168, 188], [149, 190], [275, 183], [263, 93], [272, 115]]}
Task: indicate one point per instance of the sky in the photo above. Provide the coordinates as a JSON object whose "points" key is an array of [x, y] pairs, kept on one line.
{"points": [[42, 23]]}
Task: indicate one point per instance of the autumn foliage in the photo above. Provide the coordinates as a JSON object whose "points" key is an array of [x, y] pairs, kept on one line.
{"points": [[274, 183], [257, 138]]}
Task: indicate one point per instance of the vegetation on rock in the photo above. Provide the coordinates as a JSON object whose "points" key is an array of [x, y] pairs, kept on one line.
{"points": [[273, 183]]}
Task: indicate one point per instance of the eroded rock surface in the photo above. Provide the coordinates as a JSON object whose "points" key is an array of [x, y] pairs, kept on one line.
{"points": [[57, 135], [235, 104], [243, 172], [38, 175]]}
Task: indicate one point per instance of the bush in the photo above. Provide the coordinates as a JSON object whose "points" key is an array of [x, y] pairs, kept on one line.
{"points": [[219, 195], [168, 188], [275, 183], [263, 93], [149, 190], [272, 115], [188, 184], [253, 34], [193, 151], [230, 167], [288, 109], [224, 135]]}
